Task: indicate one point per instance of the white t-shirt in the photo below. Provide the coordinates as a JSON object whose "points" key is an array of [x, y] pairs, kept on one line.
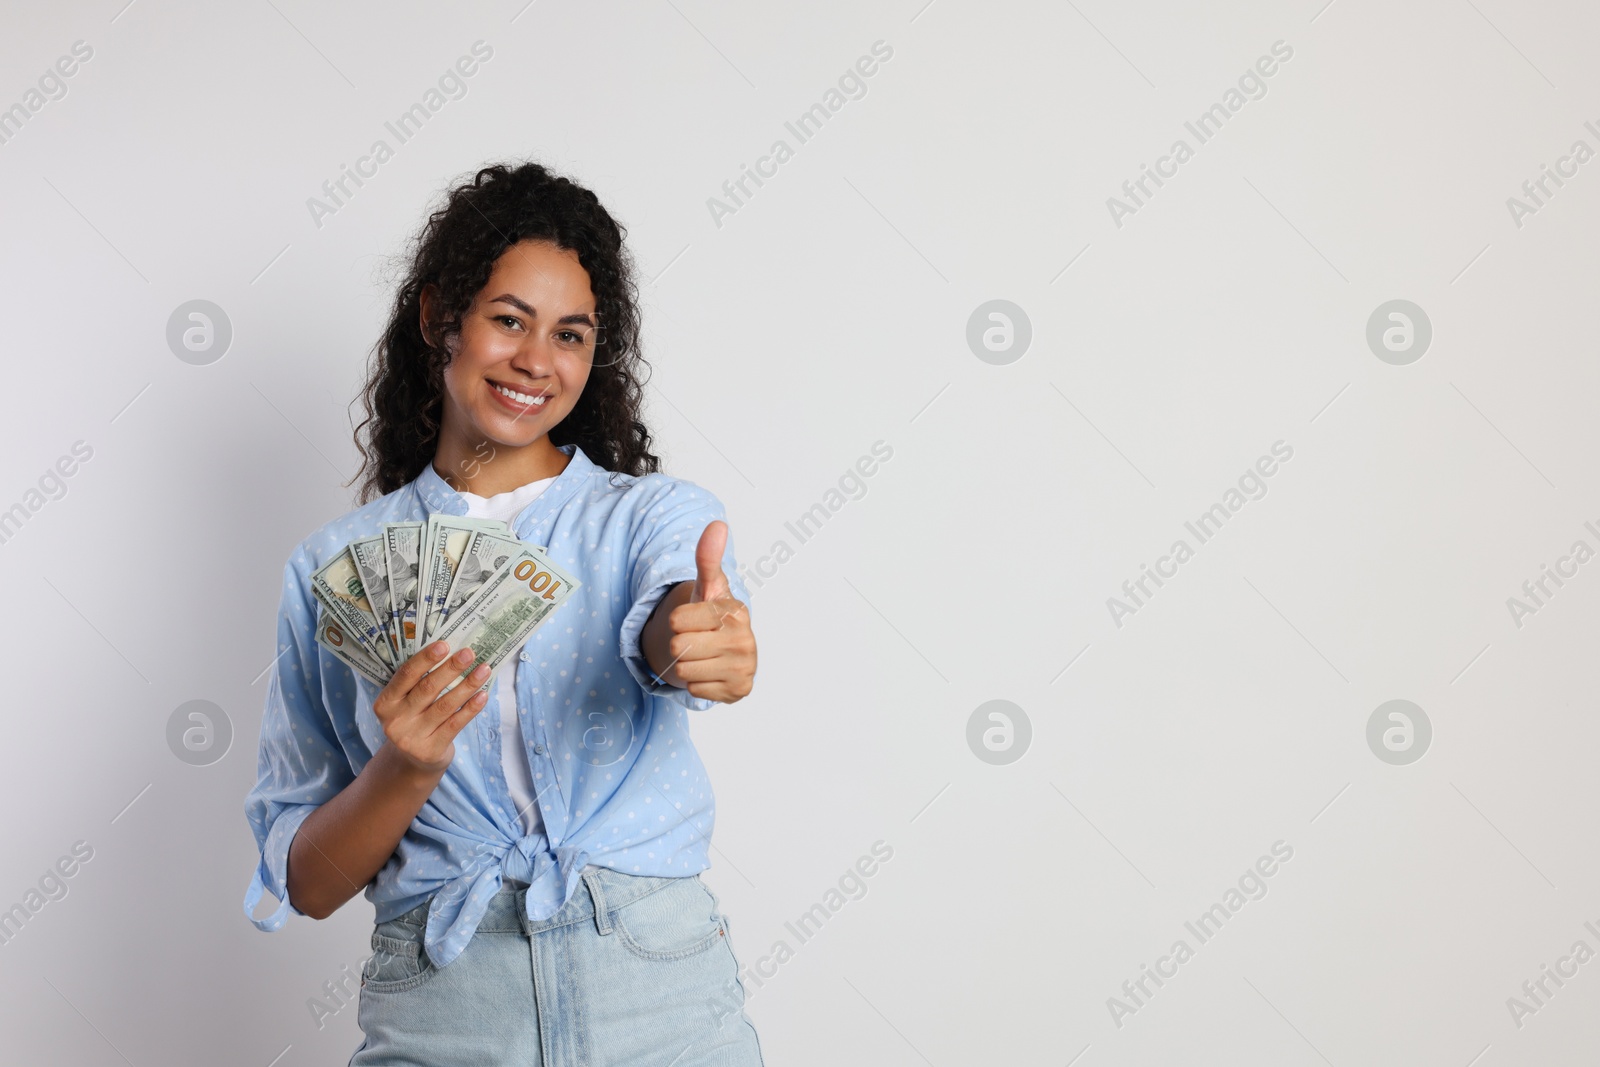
{"points": [[513, 751]]}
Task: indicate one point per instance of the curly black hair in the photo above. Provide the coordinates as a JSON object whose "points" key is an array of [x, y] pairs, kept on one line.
{"points": [[456, 251]]}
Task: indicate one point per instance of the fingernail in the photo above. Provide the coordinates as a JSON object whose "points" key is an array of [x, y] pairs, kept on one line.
{"points": [[438, 649], [480, 672]]}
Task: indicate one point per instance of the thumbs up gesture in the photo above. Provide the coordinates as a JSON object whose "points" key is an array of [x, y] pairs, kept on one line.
{"points": [[701, 632]]}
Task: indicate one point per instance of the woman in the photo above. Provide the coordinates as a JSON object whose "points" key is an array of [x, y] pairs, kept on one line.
{"points": [[535, 869]]}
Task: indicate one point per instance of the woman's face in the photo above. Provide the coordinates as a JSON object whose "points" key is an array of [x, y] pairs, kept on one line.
{"points": [[525, 347]]}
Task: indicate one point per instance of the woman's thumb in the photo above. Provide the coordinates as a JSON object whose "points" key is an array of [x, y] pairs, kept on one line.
{"points": [[710, 583]]}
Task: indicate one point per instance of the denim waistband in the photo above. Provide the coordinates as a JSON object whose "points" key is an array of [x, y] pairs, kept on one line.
{"points": [[605, 890]]}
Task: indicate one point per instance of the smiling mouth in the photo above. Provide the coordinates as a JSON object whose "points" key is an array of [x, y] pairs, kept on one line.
{"points": [[525, 399]]}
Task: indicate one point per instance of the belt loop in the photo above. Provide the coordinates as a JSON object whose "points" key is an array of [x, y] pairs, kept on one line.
{"points": [[602, 917], [521, 906]]}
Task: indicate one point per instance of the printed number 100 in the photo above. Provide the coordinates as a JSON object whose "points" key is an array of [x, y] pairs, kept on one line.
{"points": [[539, 581]]}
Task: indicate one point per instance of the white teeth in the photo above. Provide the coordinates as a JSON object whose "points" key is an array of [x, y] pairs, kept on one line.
{"points": [[521, 398]]}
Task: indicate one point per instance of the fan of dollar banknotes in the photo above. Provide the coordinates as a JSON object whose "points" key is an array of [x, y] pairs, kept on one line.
{"points": [[468, 582]]}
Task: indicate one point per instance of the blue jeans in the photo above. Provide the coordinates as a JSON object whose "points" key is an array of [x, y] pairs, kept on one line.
{"points": [[632, 971]]}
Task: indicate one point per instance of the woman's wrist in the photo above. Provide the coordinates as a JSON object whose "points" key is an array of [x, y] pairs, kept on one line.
{"points": [[400, 770]]}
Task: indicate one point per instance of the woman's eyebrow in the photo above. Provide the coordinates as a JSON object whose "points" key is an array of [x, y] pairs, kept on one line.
{"points": [[526, 309], [516, 302]]}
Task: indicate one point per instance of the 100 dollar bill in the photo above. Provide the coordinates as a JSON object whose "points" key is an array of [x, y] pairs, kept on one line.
{"points": [[331, 636], [337, 585], [402, 545], [486, 552], [511, 604], [444, 540], [373, 569]]}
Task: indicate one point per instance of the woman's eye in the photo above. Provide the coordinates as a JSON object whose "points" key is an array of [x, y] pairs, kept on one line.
{"points": [[508, 320]]}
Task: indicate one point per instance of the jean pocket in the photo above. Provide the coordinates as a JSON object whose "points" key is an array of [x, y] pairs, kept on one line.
{"points": [[398, 961], [672, 923]]}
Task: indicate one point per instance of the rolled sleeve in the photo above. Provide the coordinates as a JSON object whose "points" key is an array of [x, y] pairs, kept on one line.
{"points": [[661, 554], [300, 764]]}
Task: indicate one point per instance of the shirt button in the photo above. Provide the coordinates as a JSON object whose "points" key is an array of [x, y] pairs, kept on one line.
{"points": [[538, 750]]}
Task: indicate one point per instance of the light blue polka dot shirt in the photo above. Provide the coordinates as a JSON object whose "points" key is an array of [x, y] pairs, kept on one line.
{"points": [[618, 781]]}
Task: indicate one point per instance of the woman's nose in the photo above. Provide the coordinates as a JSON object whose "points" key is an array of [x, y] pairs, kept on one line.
{"points": [[536, 355]]}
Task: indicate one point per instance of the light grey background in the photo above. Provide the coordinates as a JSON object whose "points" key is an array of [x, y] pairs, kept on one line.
{"points": [[828, 313]]}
